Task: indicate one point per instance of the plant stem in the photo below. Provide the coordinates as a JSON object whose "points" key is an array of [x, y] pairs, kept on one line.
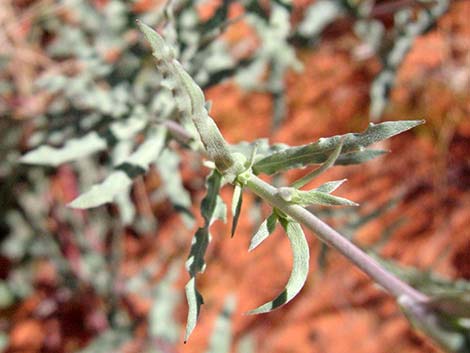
{"points": [[331, 237]]}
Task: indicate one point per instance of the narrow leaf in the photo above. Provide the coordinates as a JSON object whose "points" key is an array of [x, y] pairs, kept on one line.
{"points": [[305, 198], [300, 252], [266, 228], [210, 205], [325, 166], [330, 186], [195, 301], [318, 152], [237, 200], [72, 150]]}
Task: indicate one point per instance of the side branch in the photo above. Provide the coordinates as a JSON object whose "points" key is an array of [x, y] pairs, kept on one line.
{"points": [[368, 265]]}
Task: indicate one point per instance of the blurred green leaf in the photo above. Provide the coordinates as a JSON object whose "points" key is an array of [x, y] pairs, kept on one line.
{"points": [[74, 149], [221, 337], [121, 179], [314, 197]]}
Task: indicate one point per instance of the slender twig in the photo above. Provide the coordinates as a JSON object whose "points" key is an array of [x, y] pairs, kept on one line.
{"points": [[368, 265]]}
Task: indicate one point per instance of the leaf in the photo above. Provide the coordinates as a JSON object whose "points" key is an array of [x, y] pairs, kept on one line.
{"points": [[358, 157], [72, 150], [318, 152], [313, 197], [325, 166], [195, 264], [266, 228], [211, 207], [330, 186], [120, 180], [162, 325], [300, 267], [237, 200]]}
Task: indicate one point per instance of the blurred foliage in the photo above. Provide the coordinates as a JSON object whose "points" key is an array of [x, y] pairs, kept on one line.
{"points": [[83, 72]]}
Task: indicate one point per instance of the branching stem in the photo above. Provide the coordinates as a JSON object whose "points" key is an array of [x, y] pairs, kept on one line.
{"points": [[367, 264]]}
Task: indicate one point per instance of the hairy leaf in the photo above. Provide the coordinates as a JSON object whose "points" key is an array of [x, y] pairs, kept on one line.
{"points": [[266, 228], [300, 252], [318, 152], [313, 197], [358, 157], [210, 209], [330, 186], [72, 150]]}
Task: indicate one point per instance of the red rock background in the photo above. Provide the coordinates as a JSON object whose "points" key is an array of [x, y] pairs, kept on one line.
{"points": [[339, 310]]}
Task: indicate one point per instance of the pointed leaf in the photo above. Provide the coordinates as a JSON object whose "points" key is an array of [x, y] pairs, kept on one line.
{"points": [[72, 150], [195, 301], [300, 267], [266, 228], [211, 207], [330, 186], [237, 200], [305, 198], [318, 152]]}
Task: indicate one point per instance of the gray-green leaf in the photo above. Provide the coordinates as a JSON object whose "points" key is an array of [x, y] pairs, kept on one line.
{"points": [[300, 252], [266, 228], [72, 150], [210, 209], [237, 200], [318, 152], [313, 197], [330, 186]]}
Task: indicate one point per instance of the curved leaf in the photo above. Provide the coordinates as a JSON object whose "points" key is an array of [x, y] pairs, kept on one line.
{"points": [[265, 229], [300, 252], [330, 186], [212, 208]]}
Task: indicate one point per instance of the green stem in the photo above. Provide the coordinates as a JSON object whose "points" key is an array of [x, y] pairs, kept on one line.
{"points": [[368, 265]]}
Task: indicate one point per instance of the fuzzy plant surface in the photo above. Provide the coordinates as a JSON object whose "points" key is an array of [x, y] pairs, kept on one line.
{"points": [[231, 165], [135, 125]]}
